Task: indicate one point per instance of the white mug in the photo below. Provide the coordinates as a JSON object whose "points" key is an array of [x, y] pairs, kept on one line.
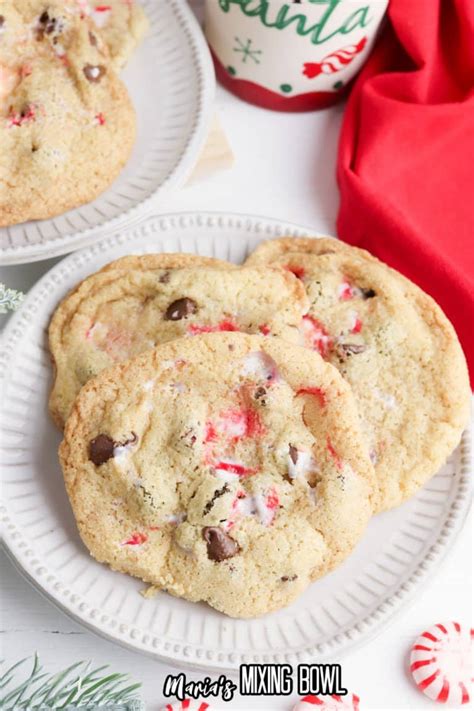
{"points": [[291, 55]]}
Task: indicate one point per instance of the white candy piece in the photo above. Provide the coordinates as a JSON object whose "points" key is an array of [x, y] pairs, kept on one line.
{"points": [[388, 400], [261, 366], [303, 465], [100, 18]]}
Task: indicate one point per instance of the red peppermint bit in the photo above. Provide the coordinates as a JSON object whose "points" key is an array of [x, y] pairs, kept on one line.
{"points": [[100, 118], [195, 329], [234, 507], [102, 8], [357, 327], [240, 495], [154, 528], [19, 118], [264, 329], [272, 501], [298, 271], [317, 335], [345, 291], [136, 539], [25, 71], [234, 424], [253, 424], [210, 434], [333, 453], [234, 468], [89, 331], [319, 393]]}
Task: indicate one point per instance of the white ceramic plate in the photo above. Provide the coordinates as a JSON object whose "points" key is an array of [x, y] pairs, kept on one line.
{"points": [[399, 549], [171, 81]]}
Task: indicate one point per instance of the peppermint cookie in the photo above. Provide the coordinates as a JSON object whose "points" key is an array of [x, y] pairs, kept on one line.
{"points": [[395, 347], [118, 313], [122, 24], [226, 468], [66, 122]]}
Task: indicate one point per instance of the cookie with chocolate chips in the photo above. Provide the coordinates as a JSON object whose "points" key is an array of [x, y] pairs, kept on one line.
{"points": [[179, 476], [139, 302], [67, 125], [121, 24], [395, 347]]}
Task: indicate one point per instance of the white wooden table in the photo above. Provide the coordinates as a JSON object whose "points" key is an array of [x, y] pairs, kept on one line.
{"points": [[285, 168]]}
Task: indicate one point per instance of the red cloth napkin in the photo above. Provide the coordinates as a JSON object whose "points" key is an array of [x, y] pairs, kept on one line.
{"points": [[406, 154]]}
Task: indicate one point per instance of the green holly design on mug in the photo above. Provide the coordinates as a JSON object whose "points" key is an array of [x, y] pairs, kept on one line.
{"points": [[291, 16]]}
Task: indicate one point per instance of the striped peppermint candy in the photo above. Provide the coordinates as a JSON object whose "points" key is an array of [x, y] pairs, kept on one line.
{"points": [[440, 663], [349, 702], [334, 62], [187, 705]]}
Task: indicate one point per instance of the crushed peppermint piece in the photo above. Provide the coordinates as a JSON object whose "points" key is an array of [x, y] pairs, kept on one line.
{"points": [[334, 454], [318, 393], [296, 270], [316, 335], [260, 365], [300, 463], [195, 329], [345, 291], [26, 115], [136, 539]]}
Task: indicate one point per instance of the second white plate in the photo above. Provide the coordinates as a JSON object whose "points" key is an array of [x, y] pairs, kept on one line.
{"points": [[171, 81], [397, 552]]}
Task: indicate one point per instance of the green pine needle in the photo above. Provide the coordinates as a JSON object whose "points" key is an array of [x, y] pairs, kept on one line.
{"points": [[78, 686], [10, 299]]}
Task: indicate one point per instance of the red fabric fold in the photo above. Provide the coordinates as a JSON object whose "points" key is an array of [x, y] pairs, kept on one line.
{"points": [[406, 154]]}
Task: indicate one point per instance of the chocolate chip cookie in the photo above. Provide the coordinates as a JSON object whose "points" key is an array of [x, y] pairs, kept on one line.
{"points": [[67, 126], [121, 23], [226, 468], [139, 302], [395, 347]]}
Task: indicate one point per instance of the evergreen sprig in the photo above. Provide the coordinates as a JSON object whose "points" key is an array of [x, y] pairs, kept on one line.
{"points": [[10, 299], [78, 686]]}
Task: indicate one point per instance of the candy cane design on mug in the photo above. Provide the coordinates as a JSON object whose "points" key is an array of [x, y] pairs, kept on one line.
{"points": [[334, 62], [349, 702], [440, 663]]}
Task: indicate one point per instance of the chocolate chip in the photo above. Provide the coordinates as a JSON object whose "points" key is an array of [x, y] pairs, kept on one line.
{"points": [[368, 293], [101, 449], [92, 39], [293, 453], [46, 24], [164, 278], [260, 392], [51, 26], [2, 20], [94, 73], [189, 437], [344, 350], [289, 578], [180, 308], [217, 494], [220, 546]]}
